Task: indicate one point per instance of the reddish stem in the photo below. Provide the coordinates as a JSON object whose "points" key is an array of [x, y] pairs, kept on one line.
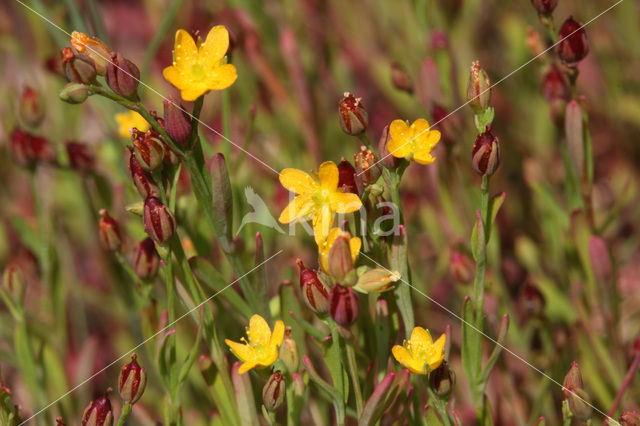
{"points": [[625, 384]]}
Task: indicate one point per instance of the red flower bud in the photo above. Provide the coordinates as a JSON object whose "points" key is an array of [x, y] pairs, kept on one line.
{"points": [[122, 76], [31, 108], [400, 78], [485, 155], [28, 150], [554, 85], [177, 123], [274, 391], [544, 7], [142, 179], [133, 380], [146, 260], [148, 149], [109, 232], [461, 267], [60, 422], [573, 46], [314, 293], [158, 220], [80, 157], [78, 68], [347, 177], [573, 380], [367, 168], [354, 119], [387, 160], [479, 88], [344, 305], [99, 412]]}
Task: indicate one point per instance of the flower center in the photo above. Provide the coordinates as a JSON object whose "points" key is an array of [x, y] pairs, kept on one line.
{"points": [[322, 196], [197, 72]]}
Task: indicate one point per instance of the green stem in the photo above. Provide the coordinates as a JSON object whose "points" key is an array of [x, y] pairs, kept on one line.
{"points": [[226, 123], [441, 407], [353, 372], [126, 410]]}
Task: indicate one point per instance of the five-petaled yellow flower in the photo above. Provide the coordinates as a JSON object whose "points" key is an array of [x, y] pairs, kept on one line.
{"points": [[262, 348], [198, 68], [318, 198], [128, 120], [420, 354], [325, 247], [413, 142]]}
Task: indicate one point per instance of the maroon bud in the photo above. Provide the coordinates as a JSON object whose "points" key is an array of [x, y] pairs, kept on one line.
{"points": [[400, 78], [554, 85], [142, 179], [148, 149], [109, 232], [354, 119], [99, 412], [122, 76], [28, 150], [273, 392], [78, 68], [442, 380], [158, 220], [344, 305], [544, 7], [177, 123], [314, 293], [461, 267], [367, 168], [146, 260], [387, 160], [573, 45], [485, 155], [133, 380], [573, 380], [80, 157], [60, 422], [347, 177], [532, 299], [630, 419], [31, 108]]}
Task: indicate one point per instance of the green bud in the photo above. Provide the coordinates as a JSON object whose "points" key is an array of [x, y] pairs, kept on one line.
{"points": [[74, 93]]}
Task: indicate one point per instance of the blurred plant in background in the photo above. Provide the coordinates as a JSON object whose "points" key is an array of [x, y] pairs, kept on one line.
{"points": [[502, 221]]}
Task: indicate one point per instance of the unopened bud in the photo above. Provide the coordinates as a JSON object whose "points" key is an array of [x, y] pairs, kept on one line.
{"points": [[400, 78], [442, 380], [544, 7], [148, 149], [461, 267], [554, 85], [177, 123], [158, 220], [109, 232], [376, 280], [579, 404], [142, 179], [573, 380], [99, 412], [387, 160], [28, 150], [630, 419], [74, 93], [94, 48], [80, 157], [485, 155], [344, 305], [274, 391], [78, 68], [314, 293], [353, 117], [31, 108], [479, 88], [347, 177], [122, 76], [60, 422], [146, 259], [367, 168], [13, 283], [133, 380], [572, 42], [289, 352], [340, 260]]}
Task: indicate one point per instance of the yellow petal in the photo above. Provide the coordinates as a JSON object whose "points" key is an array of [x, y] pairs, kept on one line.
{"points": [[214, 47], [398, 129], [221, 77], [422, 336], [172, 75], [278, 334], [354, 244], [328, 174], [399, 147], [344, 202], [322, 219], [298, 181], [297, 208], [185, 52], [419, 127], [192, 91], [246, 367], [259, 332], [242, 351], [269, 356], [438, 346], [423, 158], [403, 356]]}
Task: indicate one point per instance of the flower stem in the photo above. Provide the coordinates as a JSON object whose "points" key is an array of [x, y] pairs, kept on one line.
{"points": [[353, 371], [126, 410], [625, 384]]}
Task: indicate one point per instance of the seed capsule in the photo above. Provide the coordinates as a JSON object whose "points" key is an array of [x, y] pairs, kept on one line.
{"points": [[442, 380], [148, 149], [485, 156], [177, 123], [122, 76], [158, 220], [99, 412], [314, 293], [344, 305], [354, 119], [274, 391], [133, 380], [109, 232], [367, 168], [573, 44], [142, 179]]}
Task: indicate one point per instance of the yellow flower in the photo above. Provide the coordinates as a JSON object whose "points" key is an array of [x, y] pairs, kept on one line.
{"points": [[318, 198], [413, 142], [262, 348], [199, 68], [354, 245], [420, 354], [128, 120]]}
